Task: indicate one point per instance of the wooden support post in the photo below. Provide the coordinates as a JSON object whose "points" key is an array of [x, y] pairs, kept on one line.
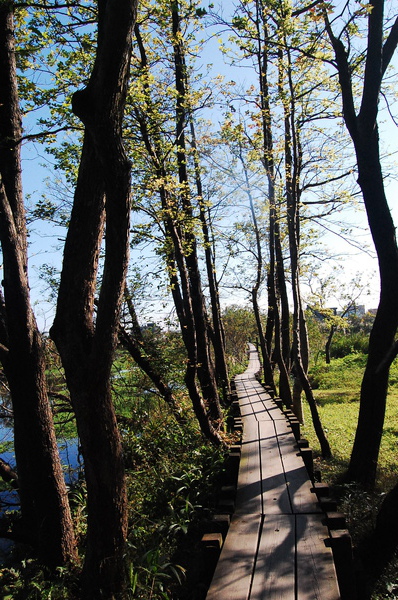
{"points": [[230, 423], [226, 506], [235, 408], [306, 453], [211, 545], [289, 414], [238, 424], [295, 425], [235, 448], [220, 524], [302, 443], [335, 520], [228, 491], [343, 560], [321, 489], [232, 468], [327, 504]]}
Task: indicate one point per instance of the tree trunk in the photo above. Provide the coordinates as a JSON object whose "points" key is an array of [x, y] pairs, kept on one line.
{"points": [[276, 268], [87, 344], [364, 133], [205, 369], [384, 539], [174, 255], [268, 373], [44, 502], [329, 343], [270, 324], [364, 457], [218, 337]]}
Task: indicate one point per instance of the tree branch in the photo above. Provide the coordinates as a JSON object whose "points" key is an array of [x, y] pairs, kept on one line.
{"points": [[344, 72], [390, 46]]}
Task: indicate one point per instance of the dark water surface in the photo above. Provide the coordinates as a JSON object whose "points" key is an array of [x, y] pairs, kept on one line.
{"points": [[71, 462]]}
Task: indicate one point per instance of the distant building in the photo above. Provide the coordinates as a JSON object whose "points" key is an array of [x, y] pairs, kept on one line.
{"points": [[358, 310]]}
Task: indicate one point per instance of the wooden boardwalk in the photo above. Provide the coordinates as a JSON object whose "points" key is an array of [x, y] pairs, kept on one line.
{"points": [[275, 546]]}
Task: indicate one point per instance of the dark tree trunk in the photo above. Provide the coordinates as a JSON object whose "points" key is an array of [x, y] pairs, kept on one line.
{"points": [[205, 367], [364, 133], [283, 296], [366, 447], [293, 162], [44, 502], [268, 373], [329, 343], [86, 345], [270, 324], [384, 539], [276, 280], [258, 253], [218, 336]]}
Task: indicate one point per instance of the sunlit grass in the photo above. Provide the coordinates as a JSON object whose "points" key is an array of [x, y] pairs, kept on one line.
{"points": [[338, 407]]}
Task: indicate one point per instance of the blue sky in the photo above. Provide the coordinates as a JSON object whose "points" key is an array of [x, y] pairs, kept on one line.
{"points": [[45, 239]]}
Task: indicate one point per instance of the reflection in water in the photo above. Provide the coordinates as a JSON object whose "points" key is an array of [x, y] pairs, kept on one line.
{"points": [[70, 458], [71, 461]]}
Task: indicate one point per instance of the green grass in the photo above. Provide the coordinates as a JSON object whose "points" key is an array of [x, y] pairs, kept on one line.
{"points": [[337, 389]]}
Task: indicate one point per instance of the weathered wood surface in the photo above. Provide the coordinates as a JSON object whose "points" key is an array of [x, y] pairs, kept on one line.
{"points": [[275, 547]]}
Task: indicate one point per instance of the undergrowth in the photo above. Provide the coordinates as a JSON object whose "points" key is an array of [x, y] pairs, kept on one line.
{"points": [[172, 475]]}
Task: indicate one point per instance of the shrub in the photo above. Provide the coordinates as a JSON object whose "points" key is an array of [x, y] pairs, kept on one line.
{"points": [[344, 344]]}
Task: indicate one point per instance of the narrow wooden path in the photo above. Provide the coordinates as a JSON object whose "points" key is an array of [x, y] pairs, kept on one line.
{"points": [[275, 546]]}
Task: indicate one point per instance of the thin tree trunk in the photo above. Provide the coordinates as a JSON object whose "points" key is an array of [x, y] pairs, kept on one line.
{"points": [[134, 343], [300, 339], [270, 324], [218, 337], [276, 269], [329, 343], [175, 257], [268, 373], [205, 368]]}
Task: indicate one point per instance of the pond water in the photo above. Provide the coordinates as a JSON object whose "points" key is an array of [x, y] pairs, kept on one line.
{"points": [[71, 462], [70, 458]]}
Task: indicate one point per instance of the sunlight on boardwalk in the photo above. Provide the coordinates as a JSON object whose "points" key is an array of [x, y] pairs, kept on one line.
{"points": [[275, 547]]}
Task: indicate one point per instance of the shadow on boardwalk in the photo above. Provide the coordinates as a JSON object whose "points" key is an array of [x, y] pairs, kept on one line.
{"points": [[277, 546]]}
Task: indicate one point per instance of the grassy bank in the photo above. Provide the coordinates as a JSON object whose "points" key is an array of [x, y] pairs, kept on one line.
{"points": [[337, 389]]}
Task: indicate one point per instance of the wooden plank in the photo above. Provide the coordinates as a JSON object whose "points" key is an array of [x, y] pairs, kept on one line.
{"points": [[233, 575], [244, 403], [257, 396], [299, 486], [274, 574], [273, 482], [255, 401], [316, 575], [248, 493]]}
